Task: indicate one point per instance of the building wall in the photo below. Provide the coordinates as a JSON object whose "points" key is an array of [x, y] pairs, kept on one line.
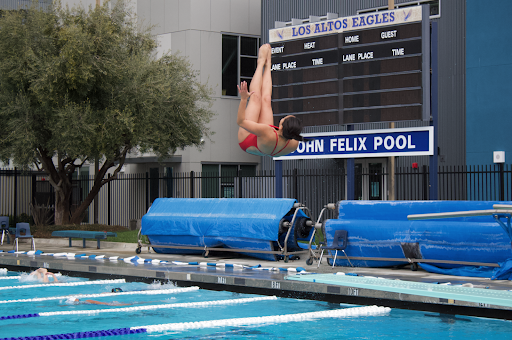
{"points": [[16, 4], [193, 28], [489, 70]]}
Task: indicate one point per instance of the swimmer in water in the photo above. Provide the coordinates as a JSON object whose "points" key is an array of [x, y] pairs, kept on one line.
{"points": [[257, 135], [75, 301], [42, 274]]}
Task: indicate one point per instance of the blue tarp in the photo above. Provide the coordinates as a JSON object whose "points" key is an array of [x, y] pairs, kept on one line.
{"points": [[381, 230], [237, 223], [503, 272], [216, 217]]}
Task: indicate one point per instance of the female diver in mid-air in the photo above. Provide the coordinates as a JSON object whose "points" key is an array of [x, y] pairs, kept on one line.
{"points": [[256, 134]]}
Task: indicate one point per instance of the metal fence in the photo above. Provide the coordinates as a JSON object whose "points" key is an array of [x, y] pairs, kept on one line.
{"points": [[129, 196]]}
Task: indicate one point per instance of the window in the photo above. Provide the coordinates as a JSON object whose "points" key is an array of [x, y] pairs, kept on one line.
{"points": [[435, 7], [239, 60], [218, 180]]}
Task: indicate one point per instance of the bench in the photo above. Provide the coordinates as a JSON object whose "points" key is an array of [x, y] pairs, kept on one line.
{"points": [[98, 235]]}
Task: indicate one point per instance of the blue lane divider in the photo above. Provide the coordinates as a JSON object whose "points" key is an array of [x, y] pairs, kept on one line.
{"points": [[135, 260], [20, 316], [83, 335]]}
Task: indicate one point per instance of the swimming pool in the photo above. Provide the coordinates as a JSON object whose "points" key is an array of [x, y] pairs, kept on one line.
{"points": [[201, 314]]}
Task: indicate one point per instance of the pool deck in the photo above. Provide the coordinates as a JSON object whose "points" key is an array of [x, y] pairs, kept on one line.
{"points": [[418, 290]]}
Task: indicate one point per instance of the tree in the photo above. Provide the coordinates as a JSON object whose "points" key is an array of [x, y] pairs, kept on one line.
{"points": [[81, 86]]}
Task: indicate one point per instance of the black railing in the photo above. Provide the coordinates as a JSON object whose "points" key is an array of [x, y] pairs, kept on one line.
{"points": [[129, 196]]}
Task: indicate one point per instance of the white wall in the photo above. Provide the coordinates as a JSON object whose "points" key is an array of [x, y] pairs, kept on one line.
{"points": [[83, 3], [194, 29]]}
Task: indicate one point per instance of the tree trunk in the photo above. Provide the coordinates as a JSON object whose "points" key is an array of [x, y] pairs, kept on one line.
{"points": [[79, 213], [62, 197]]}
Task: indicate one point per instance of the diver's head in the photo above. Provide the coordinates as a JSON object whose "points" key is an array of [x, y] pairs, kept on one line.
{"points": [[291, 127]]}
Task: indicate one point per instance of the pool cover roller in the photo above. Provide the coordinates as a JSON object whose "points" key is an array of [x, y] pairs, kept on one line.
{"points": [[382, 230], [240, 223]]}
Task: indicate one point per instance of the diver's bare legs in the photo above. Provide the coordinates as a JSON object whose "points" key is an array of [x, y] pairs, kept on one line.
{"points": [[266, 115], [253, 110]]}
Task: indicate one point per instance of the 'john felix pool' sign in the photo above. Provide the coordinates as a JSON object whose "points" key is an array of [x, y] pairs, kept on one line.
{"points": [[370, 143]]}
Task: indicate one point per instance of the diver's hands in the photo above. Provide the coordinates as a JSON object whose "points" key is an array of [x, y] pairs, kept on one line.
{"points": [[242, 89]]}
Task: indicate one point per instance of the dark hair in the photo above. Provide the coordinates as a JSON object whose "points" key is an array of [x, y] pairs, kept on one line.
{"points": [[116, 290], [292, 127]]}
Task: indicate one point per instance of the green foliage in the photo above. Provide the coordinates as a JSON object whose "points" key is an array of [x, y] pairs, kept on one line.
{"points": [[22, 218], [128, 236], [84, 84]]}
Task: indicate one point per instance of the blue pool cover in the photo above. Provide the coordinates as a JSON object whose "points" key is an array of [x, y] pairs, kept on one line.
{"points": [[243, 223], [217, 217], [381, 230]]}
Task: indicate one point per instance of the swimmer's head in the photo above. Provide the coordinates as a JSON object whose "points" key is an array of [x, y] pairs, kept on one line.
{"points": [[72, 301], [116, 290], [292, 127]]}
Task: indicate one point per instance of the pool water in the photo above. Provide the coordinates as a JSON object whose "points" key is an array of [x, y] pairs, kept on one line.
{"points": [[180, 306]]}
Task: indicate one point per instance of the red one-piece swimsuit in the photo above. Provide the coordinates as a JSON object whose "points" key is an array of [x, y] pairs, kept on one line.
{"points": [[252, 140]]}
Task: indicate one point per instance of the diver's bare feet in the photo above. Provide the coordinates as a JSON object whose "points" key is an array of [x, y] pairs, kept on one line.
{"points": [[269, 57], [264, 53]]}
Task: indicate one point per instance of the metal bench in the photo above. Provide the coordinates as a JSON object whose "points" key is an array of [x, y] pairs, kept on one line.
{"points": [[83, 234]]}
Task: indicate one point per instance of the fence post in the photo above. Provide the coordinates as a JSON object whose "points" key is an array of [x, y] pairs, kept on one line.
{"points": [[96, 198], [240, 183], [425, 182], [279, 179], [169, 182], [502, 183], [147, 191], [15, 195], [70, 178], [108, 200], [295, 183], [192, 184], [34, 184]]}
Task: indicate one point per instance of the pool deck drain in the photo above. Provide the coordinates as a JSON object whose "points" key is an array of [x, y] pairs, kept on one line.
{"points": [[392, 287]]}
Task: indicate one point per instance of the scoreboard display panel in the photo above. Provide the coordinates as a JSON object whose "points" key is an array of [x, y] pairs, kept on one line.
{"points": [[305, 79], [362, 69]]}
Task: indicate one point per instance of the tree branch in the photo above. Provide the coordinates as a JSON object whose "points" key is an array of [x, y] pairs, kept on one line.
{"points": [[49, 167], [122, 159]]}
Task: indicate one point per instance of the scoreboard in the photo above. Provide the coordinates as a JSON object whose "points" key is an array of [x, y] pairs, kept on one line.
{"points": [[368, 68]]}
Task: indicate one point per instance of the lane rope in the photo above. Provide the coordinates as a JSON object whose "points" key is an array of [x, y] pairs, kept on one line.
{"points": [[272, 319], [10, 277], [80, 296], [65, 284], [140, 308]]}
